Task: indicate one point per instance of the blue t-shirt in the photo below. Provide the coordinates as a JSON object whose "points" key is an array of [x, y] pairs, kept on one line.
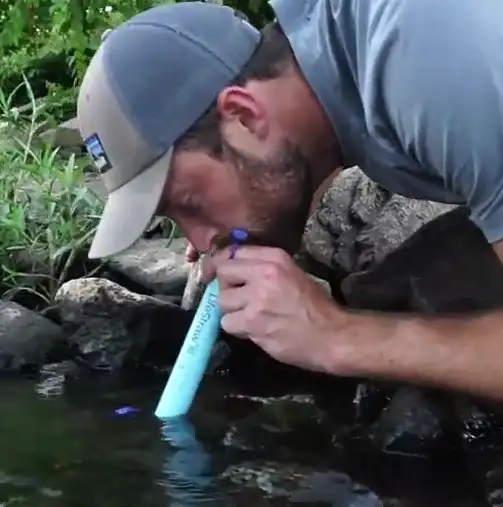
{"points": [[414, 92]]}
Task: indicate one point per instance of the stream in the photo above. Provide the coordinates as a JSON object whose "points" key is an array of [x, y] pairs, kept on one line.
{"points": [[97, 444]]}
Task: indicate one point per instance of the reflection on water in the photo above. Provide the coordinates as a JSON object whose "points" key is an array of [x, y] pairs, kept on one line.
{"points": [[75, 450], [187, 473]]}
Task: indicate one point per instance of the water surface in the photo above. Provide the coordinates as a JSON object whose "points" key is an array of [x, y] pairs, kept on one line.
{"points": [[72, 449]]}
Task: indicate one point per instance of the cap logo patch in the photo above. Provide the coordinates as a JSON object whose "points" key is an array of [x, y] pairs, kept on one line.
{"points": [[97, 153]]}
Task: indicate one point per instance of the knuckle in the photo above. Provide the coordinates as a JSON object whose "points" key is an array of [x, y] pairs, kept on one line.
{"points": [[279, 256], [271, 272]]}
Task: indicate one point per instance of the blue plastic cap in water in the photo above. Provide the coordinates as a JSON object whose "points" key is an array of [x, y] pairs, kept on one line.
{"points": [[239, 235], [125, 410]]}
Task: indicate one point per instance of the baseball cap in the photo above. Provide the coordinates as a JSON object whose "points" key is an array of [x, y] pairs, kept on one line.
{"points": [[150, 80]]}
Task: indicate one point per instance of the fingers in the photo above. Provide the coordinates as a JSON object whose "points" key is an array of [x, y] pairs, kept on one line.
{"points": [[235, 273], [252, 252], [234, 324], [233, 299], [249, 262]]}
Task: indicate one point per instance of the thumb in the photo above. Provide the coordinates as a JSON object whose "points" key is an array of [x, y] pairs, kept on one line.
{"points": [[208, 269]]}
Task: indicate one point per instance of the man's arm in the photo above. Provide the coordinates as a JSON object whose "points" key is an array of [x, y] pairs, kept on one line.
{"points": [[441, 82], [462, 353]]}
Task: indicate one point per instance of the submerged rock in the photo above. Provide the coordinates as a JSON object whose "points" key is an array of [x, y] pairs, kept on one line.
{"points": [[26, 338], [413, 423], [54, 376], [369, 401], [156, 264], [280, 424], [480, 427], [113, 327], [298, 483]]}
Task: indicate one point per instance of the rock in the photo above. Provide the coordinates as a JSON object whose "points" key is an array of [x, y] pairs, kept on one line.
{"points": [[493, 484], [357, 223], [152, 263], [412, 424], [54, 376], [479, 426], [113, 327], [291, 422], [324, 284], [369, 401], [194, 288], [298, 483], [26, 338], [65, 136], [446, 266]]}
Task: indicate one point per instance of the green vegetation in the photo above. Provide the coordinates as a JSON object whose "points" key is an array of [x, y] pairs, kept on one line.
{"points": [[47, 214]]}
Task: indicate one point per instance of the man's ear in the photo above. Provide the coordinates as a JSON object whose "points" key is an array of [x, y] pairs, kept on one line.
{"points": [[237, 105]]}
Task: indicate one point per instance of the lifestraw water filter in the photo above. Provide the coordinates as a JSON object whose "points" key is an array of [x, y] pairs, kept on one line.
{"points": [[195, 353]]}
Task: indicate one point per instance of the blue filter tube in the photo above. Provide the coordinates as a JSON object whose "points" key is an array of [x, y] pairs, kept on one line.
{"points": [[193, 357], [195, 353]]}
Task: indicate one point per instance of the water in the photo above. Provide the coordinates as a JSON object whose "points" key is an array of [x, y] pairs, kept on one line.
{"points": [[71, 449]]}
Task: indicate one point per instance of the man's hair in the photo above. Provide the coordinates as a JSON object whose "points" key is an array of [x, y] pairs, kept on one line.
{"points": [[271, 59]]}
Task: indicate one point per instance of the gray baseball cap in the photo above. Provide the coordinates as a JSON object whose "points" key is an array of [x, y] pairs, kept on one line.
{"points": [[148, 83]]}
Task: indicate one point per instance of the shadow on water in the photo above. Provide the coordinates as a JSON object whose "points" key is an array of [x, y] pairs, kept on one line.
{"points": [[74, 450]]}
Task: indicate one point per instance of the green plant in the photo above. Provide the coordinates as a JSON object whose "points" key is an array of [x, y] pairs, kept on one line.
{"points": [[47, 215]]}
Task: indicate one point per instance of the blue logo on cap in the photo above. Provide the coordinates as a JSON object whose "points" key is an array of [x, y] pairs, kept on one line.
{"points": [[97, 153]]}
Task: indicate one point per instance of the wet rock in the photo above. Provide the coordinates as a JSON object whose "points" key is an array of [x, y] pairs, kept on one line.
{"points": [[357, 223], [113, 327], [414, 423], [299, 483], [155, 264], [447, 266], [479, 426], [493, 485], [280, 425], [26, 338], [54, 376], [370, 400]]}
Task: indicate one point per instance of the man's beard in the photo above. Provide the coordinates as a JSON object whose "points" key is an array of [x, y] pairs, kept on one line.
{"points": [[277, 193]]}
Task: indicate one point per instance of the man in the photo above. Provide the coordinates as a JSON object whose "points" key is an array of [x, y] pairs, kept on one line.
{"points": [[189, 112]]}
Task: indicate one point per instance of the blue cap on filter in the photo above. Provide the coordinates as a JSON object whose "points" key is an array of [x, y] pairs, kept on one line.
{"points": [[239, 235]]}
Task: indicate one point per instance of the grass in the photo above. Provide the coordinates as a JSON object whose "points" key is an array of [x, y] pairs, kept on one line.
{"points": [[47, 215]]}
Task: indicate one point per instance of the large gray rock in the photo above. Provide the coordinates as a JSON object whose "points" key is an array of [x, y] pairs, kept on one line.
{"points": [[155, 264], [26, 338], [357, 223], [112, 326]]}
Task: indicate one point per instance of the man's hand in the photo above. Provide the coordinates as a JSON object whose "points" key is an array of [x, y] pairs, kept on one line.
{"points": [[265, 297]]}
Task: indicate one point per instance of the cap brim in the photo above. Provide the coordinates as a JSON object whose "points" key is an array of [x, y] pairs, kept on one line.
{"points": [[129, 210]]}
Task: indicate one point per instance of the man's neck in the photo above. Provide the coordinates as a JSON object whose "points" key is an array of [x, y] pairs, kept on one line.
{"points": [[316, 135]]}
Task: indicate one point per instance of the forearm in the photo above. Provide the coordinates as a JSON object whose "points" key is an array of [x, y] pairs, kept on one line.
{"points": [[460, 353]]}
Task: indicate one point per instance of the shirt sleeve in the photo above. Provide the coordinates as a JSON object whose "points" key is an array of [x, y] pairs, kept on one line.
{"points": [[442, 85]]}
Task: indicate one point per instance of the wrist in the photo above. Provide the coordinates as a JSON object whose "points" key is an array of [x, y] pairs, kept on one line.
{"points": [[363, 344]]}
